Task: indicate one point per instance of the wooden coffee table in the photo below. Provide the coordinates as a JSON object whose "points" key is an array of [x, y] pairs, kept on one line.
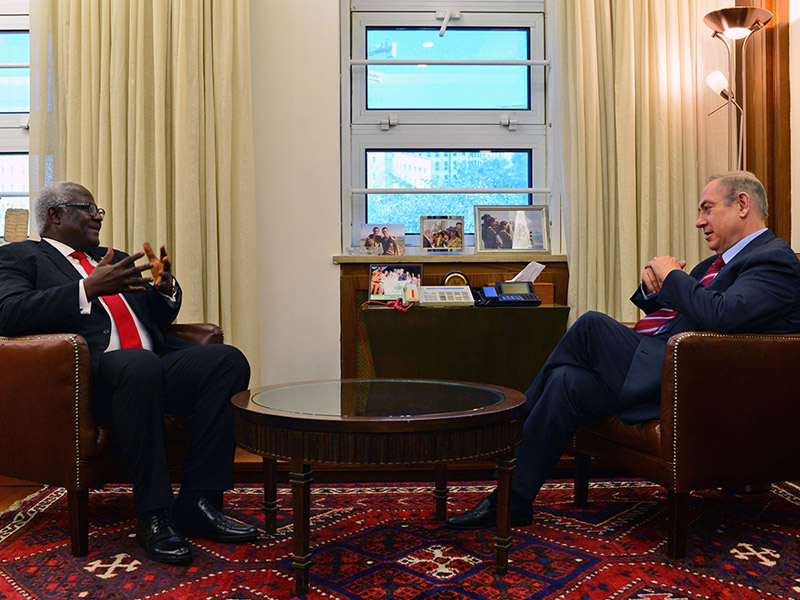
{"points": [[378, 422]]}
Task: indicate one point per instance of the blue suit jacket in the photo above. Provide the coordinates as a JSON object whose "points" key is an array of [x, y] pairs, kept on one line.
{"points": [[758, 291], [39, 294]]}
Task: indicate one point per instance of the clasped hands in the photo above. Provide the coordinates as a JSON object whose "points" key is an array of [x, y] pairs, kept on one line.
{"points": [[656, 271], [121, 277]]}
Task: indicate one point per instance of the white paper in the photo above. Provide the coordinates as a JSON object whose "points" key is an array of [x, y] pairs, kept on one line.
{"points": [[529, 273]]}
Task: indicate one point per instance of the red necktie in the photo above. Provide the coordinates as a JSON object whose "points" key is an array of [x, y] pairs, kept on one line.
{"points": [[126, 327], [651, 323]]}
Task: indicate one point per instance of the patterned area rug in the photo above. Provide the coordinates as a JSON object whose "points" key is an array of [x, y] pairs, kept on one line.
{"points": [[381, 542]]}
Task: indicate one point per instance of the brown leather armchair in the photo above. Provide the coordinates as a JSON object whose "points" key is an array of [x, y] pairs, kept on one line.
{"points": [[50, 434], [729, 414]]}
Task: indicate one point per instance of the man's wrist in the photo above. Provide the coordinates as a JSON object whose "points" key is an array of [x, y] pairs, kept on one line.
{"points": [[169, 291]]}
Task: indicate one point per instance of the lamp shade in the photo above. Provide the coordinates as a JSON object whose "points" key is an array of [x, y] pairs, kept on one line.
{"points": [[719, 83], [737, 22]]}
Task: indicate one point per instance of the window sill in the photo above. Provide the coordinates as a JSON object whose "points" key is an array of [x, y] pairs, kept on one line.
{"points": [[467, 256]]}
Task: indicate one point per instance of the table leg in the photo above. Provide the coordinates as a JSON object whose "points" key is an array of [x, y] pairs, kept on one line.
{"points": [[270, 494], [440, 490], [300, 479], [505, 468]]}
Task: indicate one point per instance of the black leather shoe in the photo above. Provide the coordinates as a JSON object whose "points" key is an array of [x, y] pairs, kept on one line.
{"points": [[203, 519], [161, 541], [485, 513]]}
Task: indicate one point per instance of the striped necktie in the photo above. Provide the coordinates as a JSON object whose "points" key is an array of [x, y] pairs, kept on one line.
{"points": [[126, 326], [653, 322]]}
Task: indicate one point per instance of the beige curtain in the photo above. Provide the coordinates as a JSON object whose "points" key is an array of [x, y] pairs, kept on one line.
{"points": [[636, 144], [148, 104]]}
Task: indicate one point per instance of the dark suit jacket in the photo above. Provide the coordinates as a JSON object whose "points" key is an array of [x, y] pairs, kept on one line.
{"points": [[758, 291], [39, 294]]}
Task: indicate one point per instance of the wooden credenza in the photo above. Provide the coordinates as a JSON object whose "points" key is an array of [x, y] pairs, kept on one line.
{"points": [[499, 345], [551, 286]]}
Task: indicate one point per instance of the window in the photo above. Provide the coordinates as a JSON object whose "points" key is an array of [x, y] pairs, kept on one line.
{"points": [[14, 106], [446, 111]]}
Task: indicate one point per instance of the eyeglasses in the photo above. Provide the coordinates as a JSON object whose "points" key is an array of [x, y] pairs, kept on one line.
{"points": [[88, 207]]}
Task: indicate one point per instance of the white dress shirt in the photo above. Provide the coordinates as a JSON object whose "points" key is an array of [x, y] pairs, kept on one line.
{"points": [[86, 306]]}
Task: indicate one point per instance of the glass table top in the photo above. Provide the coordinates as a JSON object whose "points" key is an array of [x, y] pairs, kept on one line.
{"points": [[377, 398]]}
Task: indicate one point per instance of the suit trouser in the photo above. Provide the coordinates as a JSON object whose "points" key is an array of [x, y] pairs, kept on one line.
{"points": [[580, 381], [137, 387]]}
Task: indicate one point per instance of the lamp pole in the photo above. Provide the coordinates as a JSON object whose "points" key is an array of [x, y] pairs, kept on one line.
{"points": [[731, 84], [729, 25]]}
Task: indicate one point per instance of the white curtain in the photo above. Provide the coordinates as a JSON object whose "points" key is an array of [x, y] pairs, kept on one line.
{"points": [[636, 145], [148, 104]]}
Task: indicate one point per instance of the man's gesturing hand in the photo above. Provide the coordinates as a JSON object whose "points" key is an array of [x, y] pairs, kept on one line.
{"points": [[160, 269], [121, 277]]}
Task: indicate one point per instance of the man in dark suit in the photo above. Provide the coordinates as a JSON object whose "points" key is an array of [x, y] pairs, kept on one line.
{"points": [[601, 367], [67, 283]]}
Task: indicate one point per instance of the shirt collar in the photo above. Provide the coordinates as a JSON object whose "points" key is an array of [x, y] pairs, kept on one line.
{"points": [[731, 252], [60, 246]]}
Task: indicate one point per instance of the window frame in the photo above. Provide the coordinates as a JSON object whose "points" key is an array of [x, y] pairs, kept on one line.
{"points": [[417, 138], [535, 115], [404, 129], [14, 127]]}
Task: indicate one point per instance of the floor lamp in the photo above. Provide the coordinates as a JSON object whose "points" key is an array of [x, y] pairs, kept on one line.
{"points": [[730, 25]]}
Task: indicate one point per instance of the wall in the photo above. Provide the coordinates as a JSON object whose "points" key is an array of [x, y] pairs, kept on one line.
{"points": [[296, 120], [295, 68]]}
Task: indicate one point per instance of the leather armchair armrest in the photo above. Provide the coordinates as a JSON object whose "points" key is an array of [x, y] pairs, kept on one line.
{"points": [[200, 333], [46, 407], [732, 399]]}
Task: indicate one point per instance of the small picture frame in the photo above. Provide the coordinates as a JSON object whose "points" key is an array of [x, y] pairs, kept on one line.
{"points": [[386, 281], [512, 228], [441, 234], [384, 239]]}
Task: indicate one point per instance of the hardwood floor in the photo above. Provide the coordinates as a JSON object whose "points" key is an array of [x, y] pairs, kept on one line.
{"points": [[12, 490], [248, 469]]}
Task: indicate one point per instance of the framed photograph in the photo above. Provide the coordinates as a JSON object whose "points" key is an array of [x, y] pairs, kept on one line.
{"points": [[505, 228], [386, 282], [441, 234], [387, 239]]}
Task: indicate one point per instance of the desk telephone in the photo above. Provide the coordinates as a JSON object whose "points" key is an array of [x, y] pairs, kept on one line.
{"points": [[508, 293]]}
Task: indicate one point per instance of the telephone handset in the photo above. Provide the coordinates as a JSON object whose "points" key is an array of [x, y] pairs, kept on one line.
{"points": [[410, 294], [508, 293]]}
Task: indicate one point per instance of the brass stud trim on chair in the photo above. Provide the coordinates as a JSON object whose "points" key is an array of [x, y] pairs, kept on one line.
{"points": [[74, 343], [678, 339]]}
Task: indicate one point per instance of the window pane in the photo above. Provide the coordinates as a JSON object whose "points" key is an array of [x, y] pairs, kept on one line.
{"points": [[15, 47], [16, 94], [13, 179], [13, 173], [448, 86], [442, 169], [14, 82]]}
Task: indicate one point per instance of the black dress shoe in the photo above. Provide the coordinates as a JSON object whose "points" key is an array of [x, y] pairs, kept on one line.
{"points": [[485, 513], [202, 519], [161, 541]]}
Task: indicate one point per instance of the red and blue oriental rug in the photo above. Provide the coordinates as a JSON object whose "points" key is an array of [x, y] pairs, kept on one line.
{"points": [[381, 542]]}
